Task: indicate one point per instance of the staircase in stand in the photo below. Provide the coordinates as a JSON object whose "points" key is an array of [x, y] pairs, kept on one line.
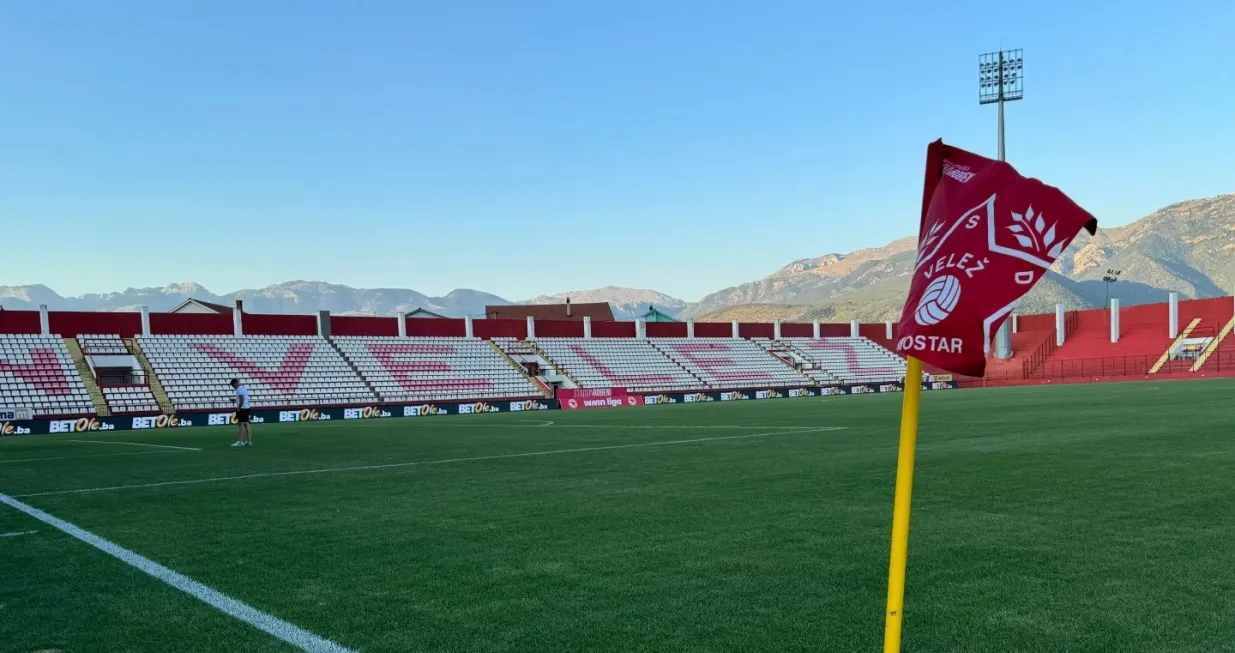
{"points": [[152, 380], [1038, 356], [1213, 345], [544, 389], [560, 370], [87, 377], [1166, 355], [775, 349], [355, 370], [698, 379]]}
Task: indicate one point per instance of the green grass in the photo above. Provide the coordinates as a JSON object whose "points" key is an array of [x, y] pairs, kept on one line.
{"points": [[1045, 519]]}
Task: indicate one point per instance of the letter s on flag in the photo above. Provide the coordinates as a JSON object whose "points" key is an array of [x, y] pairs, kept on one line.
{"points": [[985, 231]]}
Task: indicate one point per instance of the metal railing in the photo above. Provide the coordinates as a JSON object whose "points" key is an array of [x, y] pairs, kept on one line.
{"points": [[1048, 347], [1108, 366]]}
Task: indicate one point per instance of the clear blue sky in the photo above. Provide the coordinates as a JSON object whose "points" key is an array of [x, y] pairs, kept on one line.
{"points": [[532, 147]]}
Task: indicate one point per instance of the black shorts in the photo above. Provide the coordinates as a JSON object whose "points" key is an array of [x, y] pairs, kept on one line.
{"points": [[242, 415]]}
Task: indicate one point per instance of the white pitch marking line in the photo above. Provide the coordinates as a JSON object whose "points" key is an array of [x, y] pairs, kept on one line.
{"points": [[17, 533], [694, 426], [96, 455], [287, 632], [639, 426], [360, 468], [136, 444]]}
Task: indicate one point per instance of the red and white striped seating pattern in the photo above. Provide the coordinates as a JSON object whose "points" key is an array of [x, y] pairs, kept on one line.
{"points": [[278, 371], [37, 372], [618, 363], [728, 362], [435, 369], [851, 360]]}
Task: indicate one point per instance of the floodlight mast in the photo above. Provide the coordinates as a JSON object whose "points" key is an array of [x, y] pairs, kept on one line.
{"points": [[1111, 277], [1001, 79]]}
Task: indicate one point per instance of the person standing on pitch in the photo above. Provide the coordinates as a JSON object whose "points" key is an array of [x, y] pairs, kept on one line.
{"points": [[242, 414]]}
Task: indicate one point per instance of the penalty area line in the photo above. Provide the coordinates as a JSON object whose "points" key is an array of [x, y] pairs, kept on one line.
{"points": [[136, 444], [285, 631], [420, 463], [4, 461]]}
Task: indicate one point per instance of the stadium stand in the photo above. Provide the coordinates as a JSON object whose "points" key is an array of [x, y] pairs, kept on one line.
{"points": [[435, 369], [286, 366], [851, 360], [129, 400], [617, 362], [728, 363], [101, 344], [1138, 349], [278, 370], [37, 372], [515, 346]]}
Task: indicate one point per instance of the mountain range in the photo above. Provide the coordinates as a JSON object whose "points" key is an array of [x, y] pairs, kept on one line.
{"points": [[1188, 247], [312, 296]]}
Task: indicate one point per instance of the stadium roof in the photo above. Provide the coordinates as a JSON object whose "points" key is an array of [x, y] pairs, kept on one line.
{"points": [[598, 311], [189, 306], [654, 315], [422, 313]]}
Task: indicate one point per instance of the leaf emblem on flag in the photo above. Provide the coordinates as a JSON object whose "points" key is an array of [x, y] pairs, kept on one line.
{"points": [[1032, 233], [930, 239]]}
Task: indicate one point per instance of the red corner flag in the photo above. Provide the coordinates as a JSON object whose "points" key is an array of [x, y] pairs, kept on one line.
{"points": [[987, 236]]}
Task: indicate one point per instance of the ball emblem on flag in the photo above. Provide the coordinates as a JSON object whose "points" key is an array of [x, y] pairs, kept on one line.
{"points": [[938, 301]]}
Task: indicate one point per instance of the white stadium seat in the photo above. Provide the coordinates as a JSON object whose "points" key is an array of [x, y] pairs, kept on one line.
{"points": [[728, 363], [618, 363], [435, 369], [849, 360], [124, 400], [101, 344], [37, 372], [280, 371]]}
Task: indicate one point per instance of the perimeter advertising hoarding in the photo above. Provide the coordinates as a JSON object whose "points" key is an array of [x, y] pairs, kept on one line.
{"points": [[331, 414], [615, 397], [651, 399], [576, 398]]}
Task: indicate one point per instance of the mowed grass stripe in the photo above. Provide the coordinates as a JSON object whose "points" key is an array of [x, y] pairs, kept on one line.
{"points": [[417, 463], [274, 626]]}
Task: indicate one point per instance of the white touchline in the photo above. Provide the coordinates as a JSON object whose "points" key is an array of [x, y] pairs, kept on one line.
{"points": [[93, 455], [360, 468], [634, 426], [290, 633], [136, 444], [691, 426], [16, 533]]}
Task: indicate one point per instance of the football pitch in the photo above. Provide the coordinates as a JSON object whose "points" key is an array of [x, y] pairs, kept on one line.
{"points": [[1045, 519]]}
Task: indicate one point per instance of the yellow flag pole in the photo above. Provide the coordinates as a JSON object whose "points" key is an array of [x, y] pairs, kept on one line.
{"points": [[900, 507]]}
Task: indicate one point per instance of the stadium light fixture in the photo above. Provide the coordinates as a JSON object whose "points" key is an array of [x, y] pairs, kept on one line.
{"points": [[1109, 278], [1001, 78]]}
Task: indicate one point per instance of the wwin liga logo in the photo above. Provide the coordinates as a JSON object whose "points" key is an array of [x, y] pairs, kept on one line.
{"points": [[938, 301]]}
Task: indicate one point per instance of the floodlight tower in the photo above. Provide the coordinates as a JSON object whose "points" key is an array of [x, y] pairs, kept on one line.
{"points": [[1111, 277], [1001, 79]]}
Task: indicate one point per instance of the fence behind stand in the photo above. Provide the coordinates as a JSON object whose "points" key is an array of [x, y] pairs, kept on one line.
{"points": [[1109, 368]]}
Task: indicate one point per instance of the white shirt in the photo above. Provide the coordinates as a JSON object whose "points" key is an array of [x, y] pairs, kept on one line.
{"points": [[242, 397]]}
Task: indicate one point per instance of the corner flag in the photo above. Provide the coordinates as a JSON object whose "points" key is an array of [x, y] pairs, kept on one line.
{"points": [[987, 236]]}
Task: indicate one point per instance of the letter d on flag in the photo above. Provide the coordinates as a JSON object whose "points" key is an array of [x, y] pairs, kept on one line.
{"points": [[987, 236]]}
